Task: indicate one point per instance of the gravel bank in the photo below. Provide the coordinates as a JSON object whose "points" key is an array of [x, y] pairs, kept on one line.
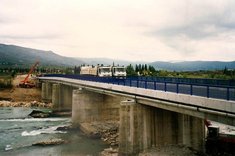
{"points": [[25, 104], [171, 150]]}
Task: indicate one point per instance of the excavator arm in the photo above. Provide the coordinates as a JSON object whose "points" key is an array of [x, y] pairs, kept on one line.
{"points": [[30, 72], [25, 83]]}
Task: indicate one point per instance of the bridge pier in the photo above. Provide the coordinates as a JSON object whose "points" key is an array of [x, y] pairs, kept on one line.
{"points": [[62, 97], [90, 106], [86, 106], [56, 96], [192, 132], [143, 127], [131, 137], [67, 94], [46, 92]]}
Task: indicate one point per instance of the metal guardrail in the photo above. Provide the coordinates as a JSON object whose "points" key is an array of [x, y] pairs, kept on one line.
{"points": [[217, 82], [218, 89]]}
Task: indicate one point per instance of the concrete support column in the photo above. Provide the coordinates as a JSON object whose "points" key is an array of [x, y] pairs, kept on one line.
{"points": [[175, 128], [192, 132], [131, 128], [46, 92], [86, 106], [143, 127], [56, 97], [66, 97], [166, 127], [43, 93], [62, 97], [147, 114], [38, 84], [110, 108], [90, 106]]}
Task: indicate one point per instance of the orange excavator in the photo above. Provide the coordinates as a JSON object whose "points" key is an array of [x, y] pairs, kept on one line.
{"points": [[26, 83]]}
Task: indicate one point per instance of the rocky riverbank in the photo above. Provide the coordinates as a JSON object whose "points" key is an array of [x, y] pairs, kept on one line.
{"points": [[109, 152], [171, 150], [25, 104], [107, 131], [50, 142]]}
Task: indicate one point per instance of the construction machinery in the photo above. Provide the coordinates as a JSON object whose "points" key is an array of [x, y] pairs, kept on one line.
{"points": [[26, 83]]}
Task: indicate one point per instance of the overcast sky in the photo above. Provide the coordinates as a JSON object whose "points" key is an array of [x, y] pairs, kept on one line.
{"points": [[143, 30]]}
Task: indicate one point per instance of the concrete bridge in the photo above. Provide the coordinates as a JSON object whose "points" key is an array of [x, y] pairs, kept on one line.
{"points": [[147, 117]]}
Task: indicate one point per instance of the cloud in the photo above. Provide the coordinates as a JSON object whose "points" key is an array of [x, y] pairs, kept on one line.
{"points": [[3, 20], [212, 21], [197, 27], [145, 29], [196, 30], [6, 19]]}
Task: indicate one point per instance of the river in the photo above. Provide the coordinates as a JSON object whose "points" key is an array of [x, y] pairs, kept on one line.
{"points": [[18, 132]]}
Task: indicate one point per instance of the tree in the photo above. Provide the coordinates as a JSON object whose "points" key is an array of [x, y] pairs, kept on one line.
{"points": [[225, 70], [136, 68], [130, 71], [13, 74], [152, 69], [145, 67], [142, 67], [77, 70], [139, 67]]}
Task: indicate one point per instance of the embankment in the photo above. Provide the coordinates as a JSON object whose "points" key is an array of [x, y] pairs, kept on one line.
{"points": [[17, 94]]}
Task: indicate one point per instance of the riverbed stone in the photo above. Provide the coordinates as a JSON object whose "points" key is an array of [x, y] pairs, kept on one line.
{"points": [[50, 142]]}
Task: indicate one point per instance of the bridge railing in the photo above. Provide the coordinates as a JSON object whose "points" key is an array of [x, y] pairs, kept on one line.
{"points": [[210, 91], [217, 82], [220, 89]]}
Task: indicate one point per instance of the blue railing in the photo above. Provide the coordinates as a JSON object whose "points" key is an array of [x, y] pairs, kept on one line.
{"points": [[219, 89]]}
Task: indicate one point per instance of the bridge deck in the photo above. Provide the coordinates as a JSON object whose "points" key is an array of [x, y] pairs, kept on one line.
{"points": [[218, 89], [210, 108]]}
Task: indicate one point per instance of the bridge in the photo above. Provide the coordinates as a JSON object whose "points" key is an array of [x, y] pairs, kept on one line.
{"points": [[151, 112]]}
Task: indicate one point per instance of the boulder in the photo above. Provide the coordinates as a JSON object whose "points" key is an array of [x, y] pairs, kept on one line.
{"points": [[39, 114], [61, 114]]}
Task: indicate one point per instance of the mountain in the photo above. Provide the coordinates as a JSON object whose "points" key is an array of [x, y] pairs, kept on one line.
{"points": [[11, 55], [193, 65], [16, 56]]}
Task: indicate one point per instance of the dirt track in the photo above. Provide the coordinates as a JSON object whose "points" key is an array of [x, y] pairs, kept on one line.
{"points": [[20, 94]]}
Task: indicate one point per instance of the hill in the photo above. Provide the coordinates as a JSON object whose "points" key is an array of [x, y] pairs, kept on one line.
{"points": [[17, 56], [193, 65]]}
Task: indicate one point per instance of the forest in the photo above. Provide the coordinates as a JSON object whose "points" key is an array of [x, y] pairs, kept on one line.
{"points": [[148, 70], [8, 73]]}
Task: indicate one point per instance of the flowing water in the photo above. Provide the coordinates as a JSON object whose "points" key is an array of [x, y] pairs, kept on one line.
{"points": [[18, 132]]}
